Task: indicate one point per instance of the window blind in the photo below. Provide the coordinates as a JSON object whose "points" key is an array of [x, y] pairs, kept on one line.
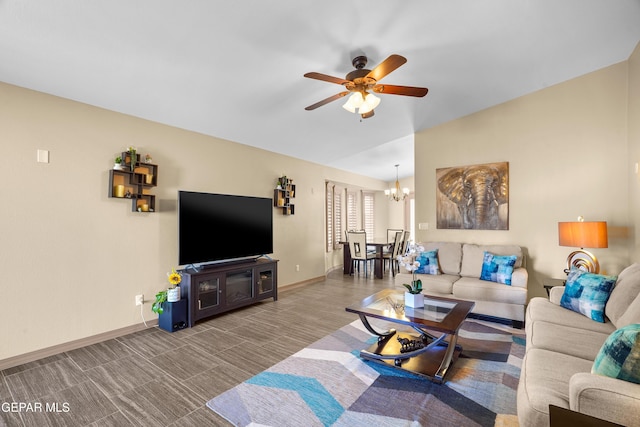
{"points": [[368, 214], [352, 211], [329, 213], [337, 216]]}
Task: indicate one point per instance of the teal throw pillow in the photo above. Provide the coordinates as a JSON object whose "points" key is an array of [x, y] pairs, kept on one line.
{"points": [[619, 356], [498, 268], [428, 262], [587, 293]]}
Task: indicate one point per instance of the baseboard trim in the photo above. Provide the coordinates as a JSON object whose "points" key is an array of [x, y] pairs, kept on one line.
{"points": [[72, 345], [300, 284]]}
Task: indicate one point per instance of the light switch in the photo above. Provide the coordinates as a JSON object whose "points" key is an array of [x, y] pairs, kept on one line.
{"points": [[423, 226], [43, 156]]}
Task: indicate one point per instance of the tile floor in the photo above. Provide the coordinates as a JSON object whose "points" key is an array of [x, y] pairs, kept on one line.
{"points": [[156, 378]]}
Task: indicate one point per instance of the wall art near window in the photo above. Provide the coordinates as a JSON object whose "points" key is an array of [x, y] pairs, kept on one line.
{"points": [[473, 197]]}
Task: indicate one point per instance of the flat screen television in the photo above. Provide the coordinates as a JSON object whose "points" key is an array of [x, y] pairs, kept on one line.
{"points": [[220, 227]]}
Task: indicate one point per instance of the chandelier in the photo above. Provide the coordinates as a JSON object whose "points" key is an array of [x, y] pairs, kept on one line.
{"points": [[394, 193]]}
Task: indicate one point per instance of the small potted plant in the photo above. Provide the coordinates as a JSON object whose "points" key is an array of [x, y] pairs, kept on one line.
{"points": [[172, 294], [118, 163], [133, 157], [413, 297]]}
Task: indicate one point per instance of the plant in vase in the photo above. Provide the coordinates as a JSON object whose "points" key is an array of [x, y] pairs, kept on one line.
{"points": [[117, 164], [413, 297], [133, 158], [172, 294]]}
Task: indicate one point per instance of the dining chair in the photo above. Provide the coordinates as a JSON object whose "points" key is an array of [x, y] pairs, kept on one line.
{"points": [[405, 243], [392, 255], [358, 248], [391, 234]]}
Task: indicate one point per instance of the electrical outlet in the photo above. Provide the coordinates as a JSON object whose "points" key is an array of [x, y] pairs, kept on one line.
{"points": [[297, 267], [139, 299]]}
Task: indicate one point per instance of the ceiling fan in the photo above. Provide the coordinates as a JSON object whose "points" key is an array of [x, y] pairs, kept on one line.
{"points": [[360, 81]]}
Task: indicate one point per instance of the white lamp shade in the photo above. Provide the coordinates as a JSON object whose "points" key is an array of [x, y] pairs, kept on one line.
{"points": [[370, 102], [354, 101]]}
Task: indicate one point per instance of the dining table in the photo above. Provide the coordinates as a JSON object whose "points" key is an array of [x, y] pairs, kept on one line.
{"points": [[379, 244]]}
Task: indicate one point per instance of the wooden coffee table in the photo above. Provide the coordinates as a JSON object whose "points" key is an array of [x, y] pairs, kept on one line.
{"points": [[433, 350]]}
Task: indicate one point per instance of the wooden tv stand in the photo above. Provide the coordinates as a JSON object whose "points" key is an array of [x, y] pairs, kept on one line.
{"points": [[222, 287]]}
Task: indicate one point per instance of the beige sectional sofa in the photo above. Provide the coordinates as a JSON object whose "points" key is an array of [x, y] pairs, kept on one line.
{"points": [[560, 350], [461, 266]]}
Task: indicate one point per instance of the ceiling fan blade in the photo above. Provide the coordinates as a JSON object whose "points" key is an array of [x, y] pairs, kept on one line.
{"points": [[386, 66], [326, 78], [326, 101], [401, 90]]}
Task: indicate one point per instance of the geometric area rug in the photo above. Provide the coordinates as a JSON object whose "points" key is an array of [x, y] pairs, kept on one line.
{"points": [[328, 384]]}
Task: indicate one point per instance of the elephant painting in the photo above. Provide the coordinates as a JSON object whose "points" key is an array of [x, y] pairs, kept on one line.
{"points": [[473, 197]]}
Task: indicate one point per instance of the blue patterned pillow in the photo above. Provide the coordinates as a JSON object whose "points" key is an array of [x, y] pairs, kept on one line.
{"points": [[498, 268], [428, 262], [619, 356], [587, 293]]}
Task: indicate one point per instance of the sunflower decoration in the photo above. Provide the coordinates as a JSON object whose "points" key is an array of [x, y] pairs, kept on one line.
{"points": [[174, 277]]}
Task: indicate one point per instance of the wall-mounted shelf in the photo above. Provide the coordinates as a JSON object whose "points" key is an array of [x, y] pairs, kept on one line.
{"points": [[134, 183], [282, 196]]}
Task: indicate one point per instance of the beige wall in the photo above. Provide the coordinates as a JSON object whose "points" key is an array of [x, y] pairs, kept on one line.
{"points": [[73, 259], [634, 155], [567, 150]]}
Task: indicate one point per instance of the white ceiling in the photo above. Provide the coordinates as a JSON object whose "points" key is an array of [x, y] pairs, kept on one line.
{"points": [[234, 69]]}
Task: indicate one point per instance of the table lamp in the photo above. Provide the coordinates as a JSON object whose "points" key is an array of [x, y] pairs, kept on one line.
{"points": [[583, 234]]}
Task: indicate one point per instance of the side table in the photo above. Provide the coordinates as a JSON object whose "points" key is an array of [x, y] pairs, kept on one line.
{"points": [[549, 283]]}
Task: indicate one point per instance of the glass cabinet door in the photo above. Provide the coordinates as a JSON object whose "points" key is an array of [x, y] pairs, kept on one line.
{"points": [[208, 292], [265, 281]]}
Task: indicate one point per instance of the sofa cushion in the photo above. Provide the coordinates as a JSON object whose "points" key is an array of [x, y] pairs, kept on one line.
{"points": [[587, 293], [482, 290], [576, 342], [544, 380], [473, 257], [619, 356], [541, 309], [441, 284], [632, 315], [428, 262], [449, 255], [497, 268], [626, 289]]}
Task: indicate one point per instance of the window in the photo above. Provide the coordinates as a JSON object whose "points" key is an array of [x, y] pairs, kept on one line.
{"points": [[337, 217], [352, 211], [410, 215], [329, 209], [334, 216], [368, 214]]}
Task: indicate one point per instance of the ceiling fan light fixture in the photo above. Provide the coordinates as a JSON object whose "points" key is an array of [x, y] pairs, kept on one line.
{"points": [[354, 101], [370, 102]]}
